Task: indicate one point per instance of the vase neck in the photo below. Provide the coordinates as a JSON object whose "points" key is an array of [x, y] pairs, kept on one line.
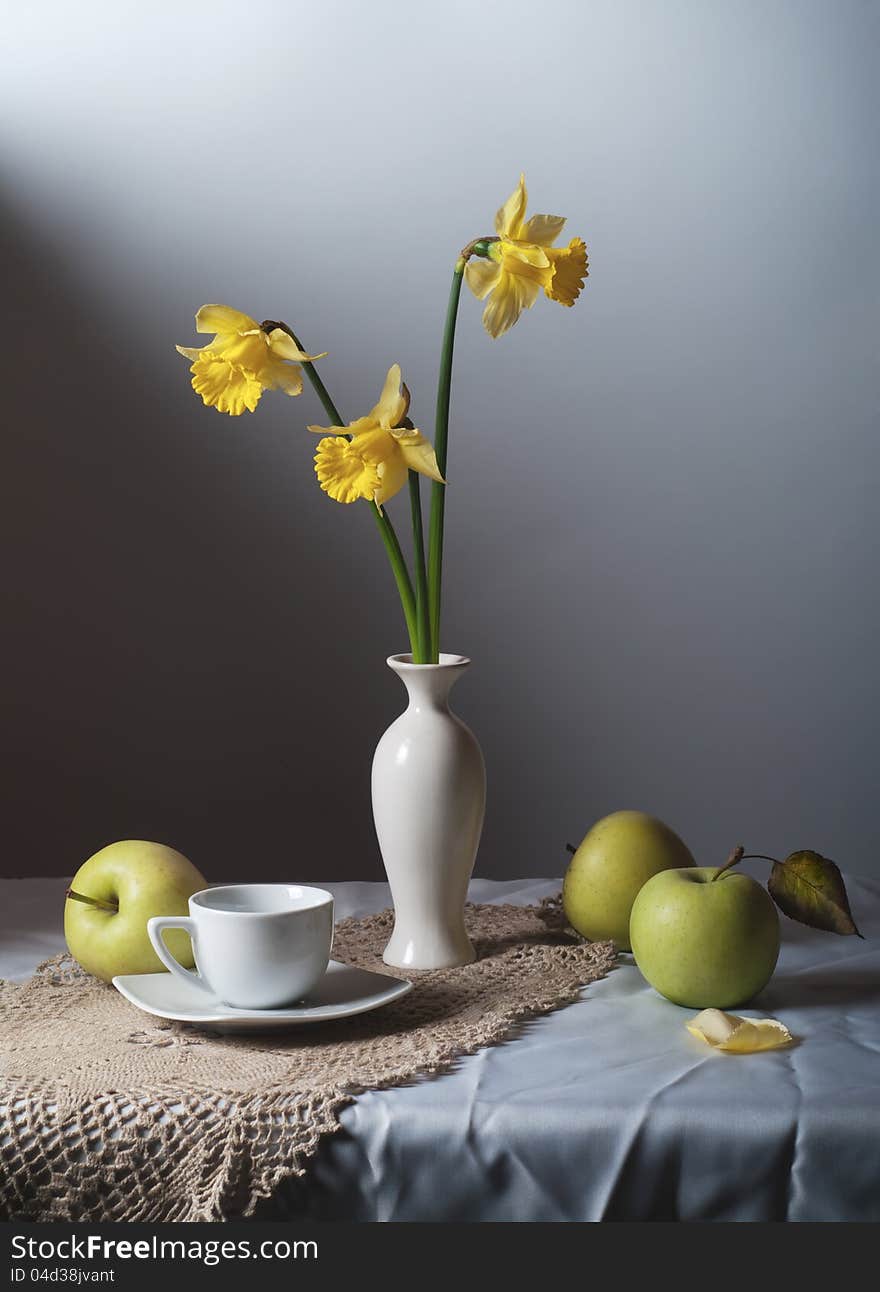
{"points": [[428, 685]]}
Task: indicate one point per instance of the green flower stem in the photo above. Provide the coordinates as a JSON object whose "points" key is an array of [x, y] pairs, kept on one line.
{"points": [[386, 529], [422, 615], [401, 577], [441, 433]]}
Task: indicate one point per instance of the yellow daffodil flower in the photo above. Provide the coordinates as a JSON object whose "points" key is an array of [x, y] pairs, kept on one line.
{"points": [[374, 462], [244, 359], [522, 261]]}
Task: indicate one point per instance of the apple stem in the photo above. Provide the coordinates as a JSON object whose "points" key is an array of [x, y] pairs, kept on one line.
{"points": [[93, 901], [735, 857], [760, 856], [569, 847]]}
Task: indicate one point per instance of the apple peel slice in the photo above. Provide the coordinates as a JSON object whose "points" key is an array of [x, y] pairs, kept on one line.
{"points": [[736, 1035]]}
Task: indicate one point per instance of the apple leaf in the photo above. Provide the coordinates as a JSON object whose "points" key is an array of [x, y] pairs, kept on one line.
{"points": [[809, 888]]}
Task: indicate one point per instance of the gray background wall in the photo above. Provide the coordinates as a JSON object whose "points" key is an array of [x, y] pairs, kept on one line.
{"points": [[662, 535]]}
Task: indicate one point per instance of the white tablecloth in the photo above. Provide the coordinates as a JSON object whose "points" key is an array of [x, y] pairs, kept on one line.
{"points": [[606, 1109]]}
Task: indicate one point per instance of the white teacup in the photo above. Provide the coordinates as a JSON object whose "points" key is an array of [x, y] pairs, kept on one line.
{"points": [[256, 946]]}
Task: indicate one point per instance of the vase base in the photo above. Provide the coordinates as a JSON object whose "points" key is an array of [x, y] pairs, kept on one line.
{"points": [[405, 953]]}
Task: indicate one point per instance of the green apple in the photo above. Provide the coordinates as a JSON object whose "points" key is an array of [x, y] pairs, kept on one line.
{"points": [[112, 896], [615, 859], [705, 942]]}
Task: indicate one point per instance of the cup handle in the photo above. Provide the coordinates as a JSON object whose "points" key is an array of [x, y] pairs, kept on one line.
{"points": [[156, 927]]}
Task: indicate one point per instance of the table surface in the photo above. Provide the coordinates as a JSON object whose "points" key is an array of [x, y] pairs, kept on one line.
{"points": [[607, 1108]]}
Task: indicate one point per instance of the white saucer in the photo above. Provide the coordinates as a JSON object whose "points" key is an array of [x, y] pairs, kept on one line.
{"points": [[342, 992]]}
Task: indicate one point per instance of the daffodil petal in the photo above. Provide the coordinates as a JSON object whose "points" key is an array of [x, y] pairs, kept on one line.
{"points": [[284, 376], [528, 292], [418, 454], [223, 318], [378, 447], [503, 307], [735, 1035], [192, 352], [248, 350], [513, 294], [286, 348], [362, 426], [509, 217], [393, 403], [512, 254], [543, 230], [481, 276], [422, 458], [359, 427], [392, 477]]}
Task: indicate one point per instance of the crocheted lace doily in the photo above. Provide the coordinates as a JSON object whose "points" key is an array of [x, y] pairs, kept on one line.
{"points": [[110, 1114]]}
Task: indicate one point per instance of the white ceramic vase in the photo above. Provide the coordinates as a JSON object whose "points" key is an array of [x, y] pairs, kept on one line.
{"points": [[429, 796]]}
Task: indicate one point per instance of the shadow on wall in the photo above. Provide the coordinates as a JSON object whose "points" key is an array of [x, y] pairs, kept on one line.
{"points": [[194, 645], [166, 674]]}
